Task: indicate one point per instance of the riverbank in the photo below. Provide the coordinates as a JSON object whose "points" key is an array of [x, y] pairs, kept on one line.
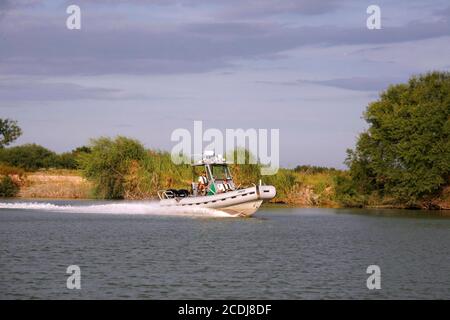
{"points": [[308, 190]]}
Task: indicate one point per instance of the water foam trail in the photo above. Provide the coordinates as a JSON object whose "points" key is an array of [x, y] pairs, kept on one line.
{"points": [[149, 208]]}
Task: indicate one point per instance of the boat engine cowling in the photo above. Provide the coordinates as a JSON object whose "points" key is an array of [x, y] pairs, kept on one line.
{"points": [[182, 193], [174, 193]]}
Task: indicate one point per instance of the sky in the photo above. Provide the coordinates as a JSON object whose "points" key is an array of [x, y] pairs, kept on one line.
{"points": [[143, 68]]}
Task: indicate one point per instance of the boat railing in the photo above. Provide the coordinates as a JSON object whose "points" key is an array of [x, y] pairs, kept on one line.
{"points": [[165, 194]]}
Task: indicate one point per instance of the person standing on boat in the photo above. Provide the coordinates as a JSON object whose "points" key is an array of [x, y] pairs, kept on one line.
{"points": [[202, 183]]}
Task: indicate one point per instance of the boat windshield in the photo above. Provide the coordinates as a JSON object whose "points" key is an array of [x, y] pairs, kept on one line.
{"points": [[220, 172]]}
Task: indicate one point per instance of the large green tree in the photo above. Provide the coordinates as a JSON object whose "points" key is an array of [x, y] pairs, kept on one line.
{"points": [[405, 153], [9, 131]]}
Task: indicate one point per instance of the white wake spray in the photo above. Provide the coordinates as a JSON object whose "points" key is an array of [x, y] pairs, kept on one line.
{"points": [[144, 208]]}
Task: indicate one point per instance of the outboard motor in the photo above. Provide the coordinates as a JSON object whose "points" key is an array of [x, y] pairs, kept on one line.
{"points": [[182, 193]]}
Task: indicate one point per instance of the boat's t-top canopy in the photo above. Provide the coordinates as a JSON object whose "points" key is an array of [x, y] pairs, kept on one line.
{"points": [[209, 158]]}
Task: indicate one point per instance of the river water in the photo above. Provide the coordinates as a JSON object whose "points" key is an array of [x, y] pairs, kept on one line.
{"points": [[136, 250]]}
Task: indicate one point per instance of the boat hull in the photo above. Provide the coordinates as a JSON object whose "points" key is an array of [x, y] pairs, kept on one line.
{"points": [[242, 202], [246, 209]]}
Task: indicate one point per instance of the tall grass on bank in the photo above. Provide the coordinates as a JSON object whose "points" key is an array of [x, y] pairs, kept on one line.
{"points": [[56, 184], [121, 168], [154, 172], [246, 173]]}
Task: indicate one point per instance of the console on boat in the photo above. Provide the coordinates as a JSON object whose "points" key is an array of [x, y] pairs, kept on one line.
{"points": [[216, 189]]}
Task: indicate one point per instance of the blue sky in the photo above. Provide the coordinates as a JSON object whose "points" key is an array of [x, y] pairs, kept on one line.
{"points": [[144, 68]]}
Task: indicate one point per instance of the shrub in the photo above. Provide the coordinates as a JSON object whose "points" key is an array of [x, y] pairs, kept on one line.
{"points": [[66, 160], [346, 193], [8, 188], [33, 157], [108, 164], [28, 156]]}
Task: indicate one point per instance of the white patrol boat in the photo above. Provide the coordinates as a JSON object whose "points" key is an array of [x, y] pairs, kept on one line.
{"points": [[215, 189]]}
